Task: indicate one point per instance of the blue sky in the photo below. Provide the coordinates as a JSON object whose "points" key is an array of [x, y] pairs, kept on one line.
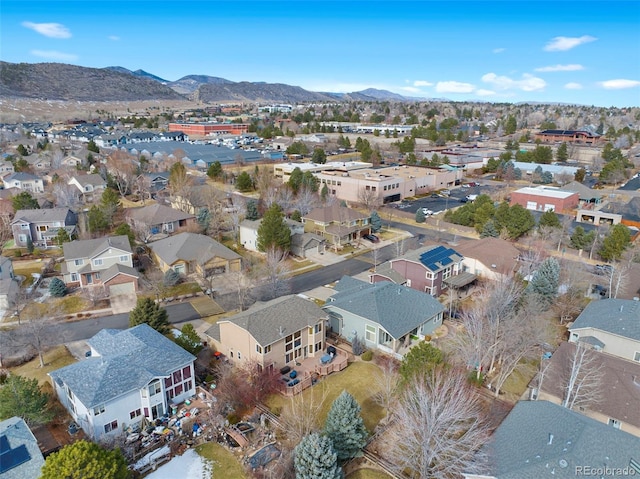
{"points": [[585, 52]]}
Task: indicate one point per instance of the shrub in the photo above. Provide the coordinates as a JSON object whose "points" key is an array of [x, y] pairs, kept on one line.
{"points": [[357, 346], [367, 355], [171, 278], [17, 253]]}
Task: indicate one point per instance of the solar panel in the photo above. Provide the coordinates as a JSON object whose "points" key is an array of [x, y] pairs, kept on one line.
{"points": [[439, 254], [4, 444], [10, 458]]}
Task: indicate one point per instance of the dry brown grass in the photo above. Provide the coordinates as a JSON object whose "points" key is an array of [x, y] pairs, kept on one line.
{"points": [[53, 359]]}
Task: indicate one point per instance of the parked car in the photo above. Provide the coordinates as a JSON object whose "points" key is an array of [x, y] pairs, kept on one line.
{"points": [[603, 269], [372, 238], [427, 211], [435, 195]]}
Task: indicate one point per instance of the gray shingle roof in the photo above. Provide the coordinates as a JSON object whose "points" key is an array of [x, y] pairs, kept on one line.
{"points": [[414, 255], [335, 212], [396, 308], [91, 179], [116, 269], [157, 214], [128, 361], [20, 442], [190, 247], [92, 247], [41, 215], [523, 447], [616, 316], [271, 321], [21, 176]]}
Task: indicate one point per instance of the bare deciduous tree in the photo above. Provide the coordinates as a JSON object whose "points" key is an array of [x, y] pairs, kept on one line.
{"points": [[368, 198], [277, 271], [300, 416], [123, 171], [386, 382], [581, 377], [437, 428], [306, 200], [95, 293]]}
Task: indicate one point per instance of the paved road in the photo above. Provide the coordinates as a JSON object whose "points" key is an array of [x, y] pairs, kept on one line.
{"points": [[17, 338]]}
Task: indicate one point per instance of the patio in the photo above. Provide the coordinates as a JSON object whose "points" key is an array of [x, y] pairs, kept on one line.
{"points": [[310, 370]]}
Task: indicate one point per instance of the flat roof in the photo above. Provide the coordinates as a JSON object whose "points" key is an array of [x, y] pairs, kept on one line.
{"points": [[547, 191]]}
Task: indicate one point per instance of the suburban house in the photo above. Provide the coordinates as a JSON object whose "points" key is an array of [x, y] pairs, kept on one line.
{"points": [[539, 439], [430, 269], [611, 326], [188, 253], [106, 262], [42, 226], [386, 316], [6, 168], [90, 186], [490, 258], [302, 243], [157, 221], [9, 286], [72, 161], [338, 225], [274, 334], [545, 198], [38, 163], [156, 181], [616, 398], [129, 376], [24, 181], [20, 456]]}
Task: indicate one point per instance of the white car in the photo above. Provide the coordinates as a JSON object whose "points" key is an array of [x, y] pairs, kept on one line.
{"points": [[426, 212]]}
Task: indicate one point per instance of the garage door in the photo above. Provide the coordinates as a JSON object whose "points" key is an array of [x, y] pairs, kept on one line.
{"points": [[120, 289]]}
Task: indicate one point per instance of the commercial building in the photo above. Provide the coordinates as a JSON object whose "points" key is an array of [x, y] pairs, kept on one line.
{"points": [[545, 198], [209, 129], [569, 136]]}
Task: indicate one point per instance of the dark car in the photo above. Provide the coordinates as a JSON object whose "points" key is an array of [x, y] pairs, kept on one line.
{"points": [[463, 200], [372, 238], [603, 269]]}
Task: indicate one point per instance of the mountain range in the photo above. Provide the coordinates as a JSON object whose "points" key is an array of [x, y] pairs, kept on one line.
{"points": [[59, 81]]}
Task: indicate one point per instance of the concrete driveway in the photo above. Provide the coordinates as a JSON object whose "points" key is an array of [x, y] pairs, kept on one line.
{"points": [[123, 303]]}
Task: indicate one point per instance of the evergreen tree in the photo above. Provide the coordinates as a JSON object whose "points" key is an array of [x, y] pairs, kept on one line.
{"points": [[30, 246], [109, 203], [296, 216], [345, 427], [273, 232], [319, 156], [85, 460], [171, 277], [420, 216], [62, 237], [324, 192], [562, 153], [22, 397], [375, 222], [511, 126], [189, 339], [215, 170], [549, 218], [91, 146], [545, 281], [252, 210], [489, 230], [314, 458], [149, 312], [614, 244], [97, 222], [419, 360], [124, 229], [24, 201], [295, 179], [580, 239], [57, 288], [244, 182], [204, 219]]}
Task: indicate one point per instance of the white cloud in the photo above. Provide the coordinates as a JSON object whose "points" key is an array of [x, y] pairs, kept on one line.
{"points": [[572, 67], [619, 84], [483, 92], [54, 55], [114, 38], [527, 83], [498, 50], [561, 44], [411, 89], [422, 83], [454, 87], [573, 86], [51, 30]]}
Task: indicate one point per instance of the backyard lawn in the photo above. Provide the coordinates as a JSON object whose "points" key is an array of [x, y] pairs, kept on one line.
{"points": [[224, 463], [53, 359], [357, 379]]}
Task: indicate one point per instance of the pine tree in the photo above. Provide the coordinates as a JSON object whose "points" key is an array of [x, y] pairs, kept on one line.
{"points": [[62, 237], [57, 288], [549, 218], [273, 232], [315, 458], [419, 216], [252, 210], [345, 427], [86, 460], [618, 239], [580, 239], [149, 312], [22, 397], [30, 246], [324, 192], [489, 230], [244, 182], [375, 222], [544, 284]]}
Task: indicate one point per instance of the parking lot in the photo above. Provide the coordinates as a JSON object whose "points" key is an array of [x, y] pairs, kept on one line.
{"points": [[440, 203]]}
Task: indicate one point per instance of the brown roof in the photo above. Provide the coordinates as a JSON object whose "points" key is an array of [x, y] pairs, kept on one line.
{"points": [[491, 251], [619, 390], [335, 212]]}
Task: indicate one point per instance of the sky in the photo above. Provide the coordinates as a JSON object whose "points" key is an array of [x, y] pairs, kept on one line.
{"points": [[583, 52]]}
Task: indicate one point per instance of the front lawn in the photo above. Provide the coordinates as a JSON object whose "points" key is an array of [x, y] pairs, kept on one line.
{"points": [[224, 463], [53, 359], [357, 379]]}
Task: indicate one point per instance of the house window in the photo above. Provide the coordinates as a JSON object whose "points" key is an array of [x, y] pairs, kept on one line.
{"points": [[97, 262], [370, 333], [42, 228], [96, 276], [446, 273], [24, 227], [98, 410], [318, 346], [636, 356], [79, 262], [74, 277], [288, 358], [154, 388], [186, 372], [135, 414], [267, 349], [430, 275], [239, 355], [124, 258], [22, 238], [428, 290], [167, 382], [615, 423], [177, 377], [168, 226], [318, 328], [112, 426], [258, 349]]}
